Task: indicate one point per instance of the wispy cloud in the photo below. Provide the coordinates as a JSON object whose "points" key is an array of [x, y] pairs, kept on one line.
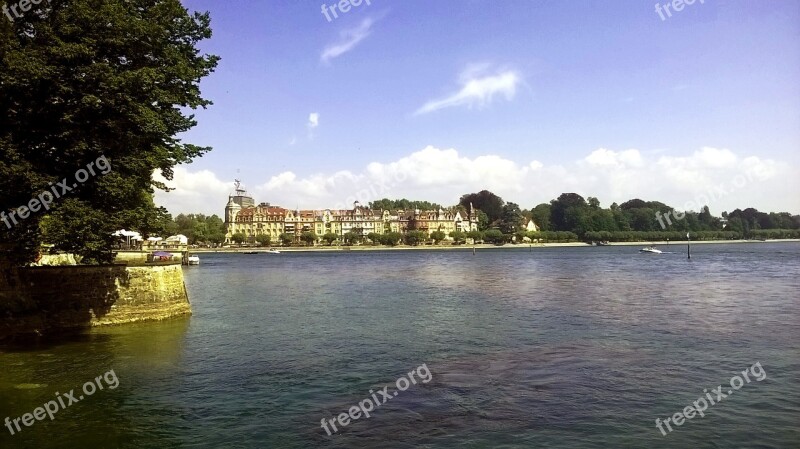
{"points": [[349, 38], [313, 122], [313, 119], [477, 89]]}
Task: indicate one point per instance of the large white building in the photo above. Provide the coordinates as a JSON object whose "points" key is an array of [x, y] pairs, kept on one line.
{"points": [[243, 216]]}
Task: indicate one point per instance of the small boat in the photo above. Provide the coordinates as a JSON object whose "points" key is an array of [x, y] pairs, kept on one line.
{"points": [[193, 260], [273, 251], [650, 249], [249, 252]]}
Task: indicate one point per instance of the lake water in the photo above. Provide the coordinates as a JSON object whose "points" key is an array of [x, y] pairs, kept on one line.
{"points": [[555, 347]]}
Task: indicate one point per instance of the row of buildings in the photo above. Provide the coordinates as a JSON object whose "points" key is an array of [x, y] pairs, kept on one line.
{"points": [[242, 215]]}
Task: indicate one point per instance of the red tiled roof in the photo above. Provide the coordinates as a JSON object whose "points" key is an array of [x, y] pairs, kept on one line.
{"points": [[250, 211]]}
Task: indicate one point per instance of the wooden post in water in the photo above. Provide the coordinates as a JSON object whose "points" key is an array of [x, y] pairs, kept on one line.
{"points": [[688, 247]]}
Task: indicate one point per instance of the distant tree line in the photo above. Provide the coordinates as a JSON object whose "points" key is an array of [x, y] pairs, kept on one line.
{"points": [[199, 229], [404, 204], [633, 220], [568, 218]]}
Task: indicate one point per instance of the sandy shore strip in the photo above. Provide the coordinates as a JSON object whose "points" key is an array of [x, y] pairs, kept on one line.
{"points": [[479, 246]]}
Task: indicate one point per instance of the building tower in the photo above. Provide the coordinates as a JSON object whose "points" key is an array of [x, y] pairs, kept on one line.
{"points": [[235, 204], [231, 210]]}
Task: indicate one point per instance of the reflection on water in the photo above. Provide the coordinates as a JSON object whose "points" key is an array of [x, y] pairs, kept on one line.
{"points": [[138, 354], [557, 347]]}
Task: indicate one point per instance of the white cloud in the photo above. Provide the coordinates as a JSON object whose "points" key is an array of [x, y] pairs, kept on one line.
{"points": [[313, 122], [602, 157], [434, 167], [313, 119], [477, 89], [193, 191], [349, 38], [443, 175]]}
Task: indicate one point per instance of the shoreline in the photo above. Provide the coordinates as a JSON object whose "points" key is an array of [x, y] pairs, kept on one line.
{"points": [[479, 246]]}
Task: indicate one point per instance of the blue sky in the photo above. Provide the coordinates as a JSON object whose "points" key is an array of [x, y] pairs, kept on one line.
{"points": [[525, 98]]}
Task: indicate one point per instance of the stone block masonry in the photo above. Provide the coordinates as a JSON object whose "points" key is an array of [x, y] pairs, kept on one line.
{"points": [[40, 300]]}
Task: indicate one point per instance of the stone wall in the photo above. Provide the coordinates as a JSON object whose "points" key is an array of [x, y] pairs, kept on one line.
{"points": [[46, 299]]}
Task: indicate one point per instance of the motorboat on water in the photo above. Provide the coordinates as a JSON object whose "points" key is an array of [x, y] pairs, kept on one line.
{"points": [[273, 251], [650, 249], [193, 260]]}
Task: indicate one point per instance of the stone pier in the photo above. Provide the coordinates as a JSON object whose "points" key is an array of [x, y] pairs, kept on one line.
{"points": [[40, 300]]}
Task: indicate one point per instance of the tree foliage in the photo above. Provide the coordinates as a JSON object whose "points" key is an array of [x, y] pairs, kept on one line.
{"points": [[403, 204], [351, 238], [199, 228], [541, 216], [438, 236], [458, 236], [286, 239], [495, 236], [476, 236], [329, 238], [485, 201], [414, 238], [511, 219], [83, 79], [308, 237], [264, 239], [390, 238]]}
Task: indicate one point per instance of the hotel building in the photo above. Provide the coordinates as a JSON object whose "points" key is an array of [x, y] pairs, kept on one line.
{"points": [[242, 215]]}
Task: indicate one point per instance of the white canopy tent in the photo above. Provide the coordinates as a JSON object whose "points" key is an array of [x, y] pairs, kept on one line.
{"points": [[180, 238], [129, 235]]}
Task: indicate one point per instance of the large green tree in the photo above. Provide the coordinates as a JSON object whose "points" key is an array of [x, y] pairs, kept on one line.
{"points": [[85, 80], [511, 219], [486, 201], [199, 228], [541, 216], [569, 212]]}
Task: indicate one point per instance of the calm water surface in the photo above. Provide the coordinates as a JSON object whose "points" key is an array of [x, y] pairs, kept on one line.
{"points": [[558, 347]]}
